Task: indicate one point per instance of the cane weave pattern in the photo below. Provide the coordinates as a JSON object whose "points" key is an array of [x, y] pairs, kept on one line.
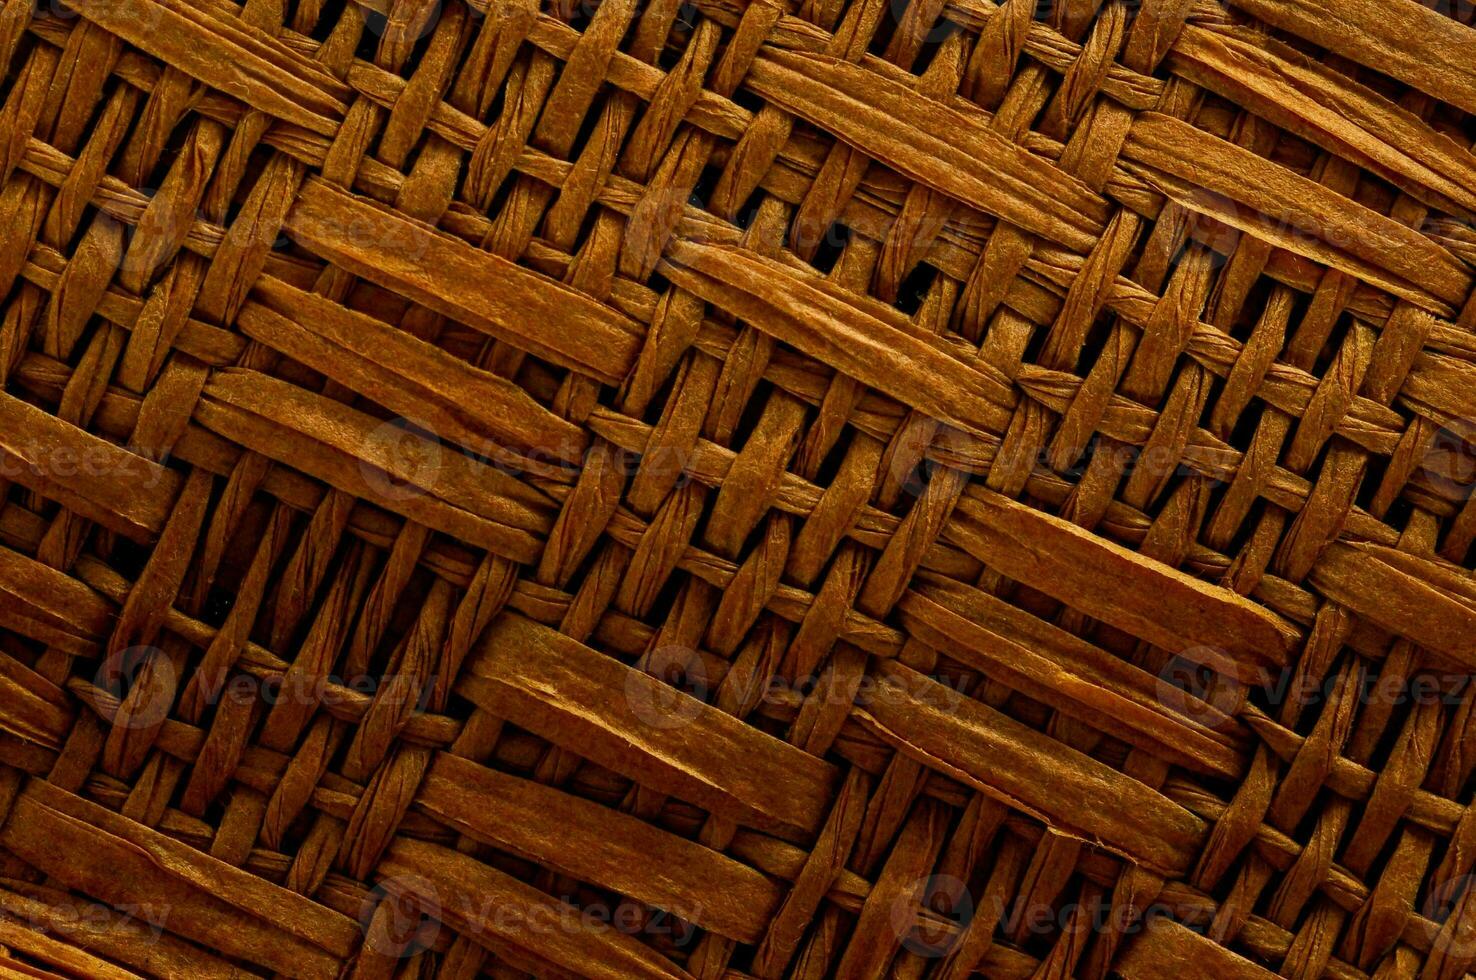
{"points": [[919, 488]]}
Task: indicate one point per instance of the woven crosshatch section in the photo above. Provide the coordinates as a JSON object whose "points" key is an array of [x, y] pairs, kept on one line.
{"points": [[795, 488]]}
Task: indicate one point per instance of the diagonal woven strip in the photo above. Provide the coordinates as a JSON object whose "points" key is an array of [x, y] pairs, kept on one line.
{"points": [[722, 489]]}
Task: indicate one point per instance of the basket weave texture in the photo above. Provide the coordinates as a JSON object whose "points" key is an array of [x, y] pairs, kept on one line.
{"points": [[918, 488]]}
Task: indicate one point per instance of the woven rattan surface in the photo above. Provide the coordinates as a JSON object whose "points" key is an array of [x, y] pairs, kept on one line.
{"points": [[859, 488]]}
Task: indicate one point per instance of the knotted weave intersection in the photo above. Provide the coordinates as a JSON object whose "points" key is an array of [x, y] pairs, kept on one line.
{"points": [[737, 489]]}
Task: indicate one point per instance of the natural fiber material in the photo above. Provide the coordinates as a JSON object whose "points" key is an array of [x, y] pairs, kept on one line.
{"points": [[916, 488]]}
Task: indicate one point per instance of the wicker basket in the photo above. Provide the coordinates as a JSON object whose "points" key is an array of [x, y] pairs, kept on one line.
{"points": [[859, 488]]}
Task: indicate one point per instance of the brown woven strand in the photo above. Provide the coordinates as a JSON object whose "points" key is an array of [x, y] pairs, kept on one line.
{"points": [[926, 489]]}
